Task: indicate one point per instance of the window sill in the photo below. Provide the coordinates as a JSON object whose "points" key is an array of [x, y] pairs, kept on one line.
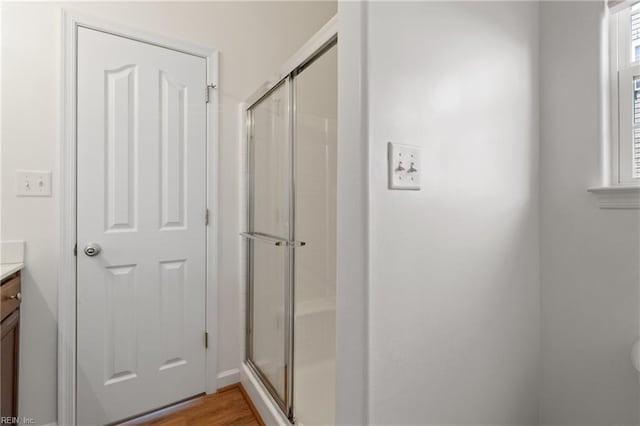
{"points": [[617, 197]]}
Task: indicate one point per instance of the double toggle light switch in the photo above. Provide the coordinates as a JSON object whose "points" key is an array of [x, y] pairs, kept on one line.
{"points": [[404, 166], [32, 183]]}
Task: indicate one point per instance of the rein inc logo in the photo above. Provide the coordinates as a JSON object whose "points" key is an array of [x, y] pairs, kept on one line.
{"points": [[17, 421]]}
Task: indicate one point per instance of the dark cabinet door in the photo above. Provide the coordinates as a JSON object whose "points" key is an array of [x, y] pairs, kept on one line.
{"points": [[10, 331]]}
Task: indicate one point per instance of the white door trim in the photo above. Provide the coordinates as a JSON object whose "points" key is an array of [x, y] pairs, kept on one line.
{"points": [[67, 261]]}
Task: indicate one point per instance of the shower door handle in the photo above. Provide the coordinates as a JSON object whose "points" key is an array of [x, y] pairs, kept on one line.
{"points": [[281, 242], [265, 239], [635, 355]]}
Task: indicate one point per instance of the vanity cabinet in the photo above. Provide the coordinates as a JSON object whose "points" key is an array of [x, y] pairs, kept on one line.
{"points": [[10, 299]]}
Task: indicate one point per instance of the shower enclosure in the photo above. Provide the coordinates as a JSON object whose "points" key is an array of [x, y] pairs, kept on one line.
{"points": [[291, 237]]}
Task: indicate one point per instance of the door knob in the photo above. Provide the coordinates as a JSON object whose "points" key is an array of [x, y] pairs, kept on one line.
{"points": [[92, 249]]}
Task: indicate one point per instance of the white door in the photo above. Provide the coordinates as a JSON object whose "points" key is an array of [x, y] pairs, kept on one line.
{"points": [[141, 196]]}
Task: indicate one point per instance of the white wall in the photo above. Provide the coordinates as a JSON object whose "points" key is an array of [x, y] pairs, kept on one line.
{"points": [[254, 39], [590, 258], [454, 276]]}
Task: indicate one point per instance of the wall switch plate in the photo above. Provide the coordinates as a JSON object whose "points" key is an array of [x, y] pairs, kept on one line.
{"points": [[404, 166], [33, 183]]}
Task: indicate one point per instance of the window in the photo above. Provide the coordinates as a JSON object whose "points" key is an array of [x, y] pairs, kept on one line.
{"points": [[625, 88], [620, 188]]}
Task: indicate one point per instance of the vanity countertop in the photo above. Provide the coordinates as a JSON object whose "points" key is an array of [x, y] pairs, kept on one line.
{"points": [[6, 269]]}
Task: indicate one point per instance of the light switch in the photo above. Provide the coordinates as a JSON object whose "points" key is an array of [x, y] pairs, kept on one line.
{"points": [[33, 183], [404, 166]]}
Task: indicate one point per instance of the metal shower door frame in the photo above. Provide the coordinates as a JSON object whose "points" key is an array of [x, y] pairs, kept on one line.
{"points": [[286, 404]]}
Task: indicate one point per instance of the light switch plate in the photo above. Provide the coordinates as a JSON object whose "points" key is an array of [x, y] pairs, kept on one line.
{"points": [[404, 166], [33, 183]]}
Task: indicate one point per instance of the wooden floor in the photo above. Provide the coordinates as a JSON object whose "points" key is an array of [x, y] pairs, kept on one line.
{"points": [[229, 406]]}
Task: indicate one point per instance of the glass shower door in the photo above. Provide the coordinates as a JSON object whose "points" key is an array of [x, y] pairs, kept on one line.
{"points": [[315, 173], [268, 231], [291, 238]]}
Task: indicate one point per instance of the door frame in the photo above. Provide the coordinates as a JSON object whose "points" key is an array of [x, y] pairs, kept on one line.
{"points": [[67, 208]]}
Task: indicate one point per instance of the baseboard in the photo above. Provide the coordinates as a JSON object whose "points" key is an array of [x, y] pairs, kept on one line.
{"points": [[228, 377], [262, 401]]}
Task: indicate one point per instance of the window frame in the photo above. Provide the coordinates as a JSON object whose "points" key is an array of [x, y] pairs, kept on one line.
{"points": [[618, 189], [622, 71]]}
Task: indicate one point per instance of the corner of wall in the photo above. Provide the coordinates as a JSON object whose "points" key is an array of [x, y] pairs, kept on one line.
{"points": [[352, 331]]}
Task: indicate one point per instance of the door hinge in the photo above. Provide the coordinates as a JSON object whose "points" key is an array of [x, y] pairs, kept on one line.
{"points": [[75, 250], [206, 339], [206, 217], [207, 98]]}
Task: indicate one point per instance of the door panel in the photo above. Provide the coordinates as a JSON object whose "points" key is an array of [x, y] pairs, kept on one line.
{"points": [[173, 137], [315, 171], [269, 278], [269, 177], [141, 195], [121, 143], [120, 346], [270, 148]]}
